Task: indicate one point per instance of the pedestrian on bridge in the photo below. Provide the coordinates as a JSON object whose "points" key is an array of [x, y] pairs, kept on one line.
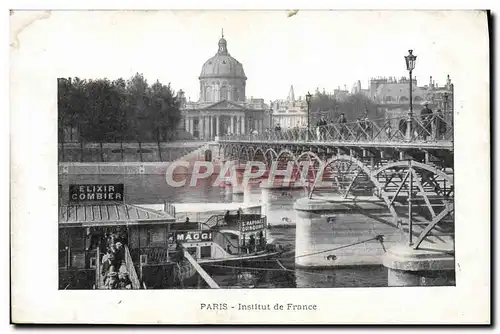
{"points": [[277, 130], [342, 123], [388, 131], [360, 133], [402, 127], [366, 125], [426, 117], [320, 129]]}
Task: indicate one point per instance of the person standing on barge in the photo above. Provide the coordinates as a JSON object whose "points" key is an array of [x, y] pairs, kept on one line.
{"points": [[112, 280], [124, 281], [251, 243], [262, 241], [107, 262]]}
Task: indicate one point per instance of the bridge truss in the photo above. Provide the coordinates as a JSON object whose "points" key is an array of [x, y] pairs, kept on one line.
{"points": [[411, 176]]}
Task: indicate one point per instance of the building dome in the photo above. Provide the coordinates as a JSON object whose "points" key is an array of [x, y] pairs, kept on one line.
{"points": [[222, 65]]}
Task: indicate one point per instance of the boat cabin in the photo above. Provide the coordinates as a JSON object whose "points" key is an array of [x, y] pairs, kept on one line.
{"points": [[145, 241], [85, 231]]}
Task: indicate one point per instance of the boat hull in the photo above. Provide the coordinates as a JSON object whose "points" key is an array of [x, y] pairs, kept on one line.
{"points": [[237, 259]]}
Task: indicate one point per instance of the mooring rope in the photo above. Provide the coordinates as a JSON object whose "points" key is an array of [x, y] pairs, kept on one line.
{"points": [[378, 237], [249, 268]]}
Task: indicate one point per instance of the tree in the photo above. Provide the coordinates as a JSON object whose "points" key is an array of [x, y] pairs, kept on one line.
{"points": [[354, 106], [71, 104], [118, 110], [137, 90]]}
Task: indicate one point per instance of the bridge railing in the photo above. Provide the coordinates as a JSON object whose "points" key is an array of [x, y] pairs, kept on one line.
{"points": [[437, 126]]}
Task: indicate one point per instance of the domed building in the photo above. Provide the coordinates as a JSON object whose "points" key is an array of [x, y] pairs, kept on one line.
{"points": [[222, 107]]}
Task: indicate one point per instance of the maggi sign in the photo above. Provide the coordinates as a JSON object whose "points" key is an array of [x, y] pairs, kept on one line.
{"points": [[189, 236]]}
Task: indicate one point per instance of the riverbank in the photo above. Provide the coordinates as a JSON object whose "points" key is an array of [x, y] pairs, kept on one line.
{"points": [[113, 168]]}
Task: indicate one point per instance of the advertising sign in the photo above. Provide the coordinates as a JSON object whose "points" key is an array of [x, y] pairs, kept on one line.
{"points": [[189, 236], [252, 225], [96, 192]]}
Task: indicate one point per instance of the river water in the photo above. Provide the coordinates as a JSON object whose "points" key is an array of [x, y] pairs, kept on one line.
{"points": [[153, 189]]}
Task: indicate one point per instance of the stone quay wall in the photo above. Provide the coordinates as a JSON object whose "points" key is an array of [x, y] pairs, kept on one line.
{"points": [[128, 152]]}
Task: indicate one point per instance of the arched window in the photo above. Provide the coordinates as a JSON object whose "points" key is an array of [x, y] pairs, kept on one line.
{"points": [[208, 94], [388, 98], [403, 99], [235, 94], [223, 93]]}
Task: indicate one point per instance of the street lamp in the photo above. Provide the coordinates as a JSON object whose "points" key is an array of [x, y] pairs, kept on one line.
{"points": [[308, 100], [270, 115], [410, 66]]}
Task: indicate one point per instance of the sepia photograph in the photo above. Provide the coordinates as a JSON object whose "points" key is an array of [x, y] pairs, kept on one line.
{"points": [[214, 186], [264, 150]]}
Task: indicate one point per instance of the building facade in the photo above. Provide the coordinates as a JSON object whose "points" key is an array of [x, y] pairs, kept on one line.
{"points": [[388, 92], [341, 94], [289, 113], [392, 96], [222, 107]]}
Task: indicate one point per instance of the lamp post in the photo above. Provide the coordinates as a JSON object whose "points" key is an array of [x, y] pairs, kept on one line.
{"points": [[308, 100], [410, 66], [270, 115]]}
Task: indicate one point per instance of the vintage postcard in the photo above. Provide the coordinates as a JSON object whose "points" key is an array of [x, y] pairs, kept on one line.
{"points": [[250, 167]]}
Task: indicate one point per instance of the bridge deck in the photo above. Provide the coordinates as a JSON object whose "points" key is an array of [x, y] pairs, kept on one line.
{"points": [[439, 145]]}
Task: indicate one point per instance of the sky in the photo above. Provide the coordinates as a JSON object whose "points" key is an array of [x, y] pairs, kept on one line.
{"points": [[312, 49]]}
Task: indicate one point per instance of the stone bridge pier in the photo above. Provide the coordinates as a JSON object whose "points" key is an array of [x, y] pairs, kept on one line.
{"points": [[338, 232]]}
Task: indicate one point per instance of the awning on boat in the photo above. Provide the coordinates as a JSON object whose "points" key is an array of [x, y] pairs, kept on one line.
{"points": [[238, 233], [235, 232], [110, 215]]}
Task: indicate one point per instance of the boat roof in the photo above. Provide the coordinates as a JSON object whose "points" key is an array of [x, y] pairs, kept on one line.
{"points": [[203, 207], [89, 215]]}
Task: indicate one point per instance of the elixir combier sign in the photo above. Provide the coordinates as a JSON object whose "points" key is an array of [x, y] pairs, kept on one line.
{"points": [[96, 192]]}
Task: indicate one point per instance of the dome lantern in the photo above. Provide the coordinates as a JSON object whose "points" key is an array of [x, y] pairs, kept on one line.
{"points": [[222, 45]]}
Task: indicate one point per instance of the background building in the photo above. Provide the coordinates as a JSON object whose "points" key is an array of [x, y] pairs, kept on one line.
{"points": [[290, 112], [222, 107], [341, 94], [392, 95]]}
